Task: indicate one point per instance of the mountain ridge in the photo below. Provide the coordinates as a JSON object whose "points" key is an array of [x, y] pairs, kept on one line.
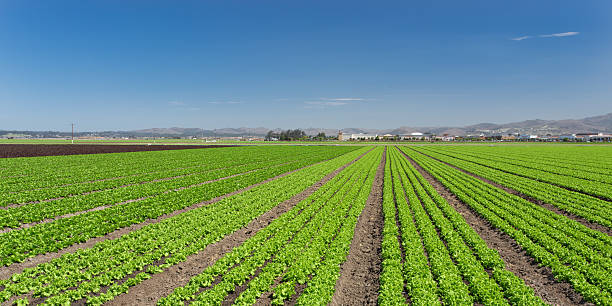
{"points": [[596, 124]]}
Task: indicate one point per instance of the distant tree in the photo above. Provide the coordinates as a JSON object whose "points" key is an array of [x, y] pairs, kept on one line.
{"points": [[291, 135], [321, 136], [269, 136]]}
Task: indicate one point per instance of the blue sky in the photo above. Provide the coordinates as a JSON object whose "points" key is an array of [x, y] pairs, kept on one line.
{"points": [[110, 65]]}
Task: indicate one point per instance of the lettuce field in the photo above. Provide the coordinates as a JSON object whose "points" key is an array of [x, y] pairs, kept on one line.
{"points": [[310, 225]]}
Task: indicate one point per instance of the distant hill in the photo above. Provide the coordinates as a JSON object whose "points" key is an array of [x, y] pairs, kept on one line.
{"points": [[596, 124]]}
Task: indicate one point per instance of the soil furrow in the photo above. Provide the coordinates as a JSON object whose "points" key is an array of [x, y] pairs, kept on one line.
{"points": [[581, 220], [516, 259], [162, 284], [358, 283]]}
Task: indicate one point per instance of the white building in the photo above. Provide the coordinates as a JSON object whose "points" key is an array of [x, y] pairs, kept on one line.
{"points": [[362, 136]]}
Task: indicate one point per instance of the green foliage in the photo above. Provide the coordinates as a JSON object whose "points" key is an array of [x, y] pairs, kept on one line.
{"points": [[575, 253]]}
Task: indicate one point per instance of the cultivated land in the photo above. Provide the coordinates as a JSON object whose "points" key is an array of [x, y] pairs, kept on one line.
{"points": [[30, 150], [309, 225]]}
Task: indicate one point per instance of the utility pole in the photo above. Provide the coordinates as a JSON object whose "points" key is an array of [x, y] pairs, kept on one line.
{"points": [[72, 133]]}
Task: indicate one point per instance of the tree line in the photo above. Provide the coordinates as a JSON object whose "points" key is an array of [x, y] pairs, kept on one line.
{"points": [[291, 135]]}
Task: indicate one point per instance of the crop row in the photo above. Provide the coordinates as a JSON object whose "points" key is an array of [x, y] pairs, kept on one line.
{"points": [[575, 254], [55, 171], [588, 207], [578, 184], [591, 173], [17, 245], [289, 251], [14, 217], [455, 269], [581, 156], [61, 171], [95, 274], [241, 158]]}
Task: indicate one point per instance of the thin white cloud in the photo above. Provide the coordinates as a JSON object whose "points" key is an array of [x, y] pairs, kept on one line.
{"points": [[225, 102], [344, 99], [521, 38], [564, 34], [326, 103]]}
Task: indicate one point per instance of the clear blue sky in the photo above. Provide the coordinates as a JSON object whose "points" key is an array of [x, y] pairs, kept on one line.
{"points": [[109, 65]]}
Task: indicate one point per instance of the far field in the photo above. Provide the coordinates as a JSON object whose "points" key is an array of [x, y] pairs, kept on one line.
{"points": [[309, 225]]}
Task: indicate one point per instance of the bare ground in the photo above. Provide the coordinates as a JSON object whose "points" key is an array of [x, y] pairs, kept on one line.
{"points": [[517, 261], [358, 283], [30, 150], [162, 284], [6, 272]]}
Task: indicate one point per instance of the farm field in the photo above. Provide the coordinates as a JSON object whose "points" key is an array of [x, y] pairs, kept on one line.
{"points": [[309, 225], [46, 149]]}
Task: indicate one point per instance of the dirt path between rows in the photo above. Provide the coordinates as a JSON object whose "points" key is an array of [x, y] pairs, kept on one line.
{"points": [[517, 261], [163, 284], [585, 222], [359, 274], [6, 272]]}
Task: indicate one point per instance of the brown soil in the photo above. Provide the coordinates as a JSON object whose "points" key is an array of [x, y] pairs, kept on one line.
{"points": [[6, 272], [517, 261], [359, 274], [29, 150], [162, 284], [585, 222]]}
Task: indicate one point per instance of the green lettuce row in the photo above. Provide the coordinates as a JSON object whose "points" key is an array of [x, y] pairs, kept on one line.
{"points": [[514, 288], [14, 217], [265, 244], [78, 189], [593, 256], [533, 162], [56, 171], [567, 267], [322, 254], [451, 287], [582, 205], [418, 273], [469, 261], [171, 241], [65, 170], [565, 156], [15, 246], [392, 284], [320, 288], [585, 241], [577, 184]]}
